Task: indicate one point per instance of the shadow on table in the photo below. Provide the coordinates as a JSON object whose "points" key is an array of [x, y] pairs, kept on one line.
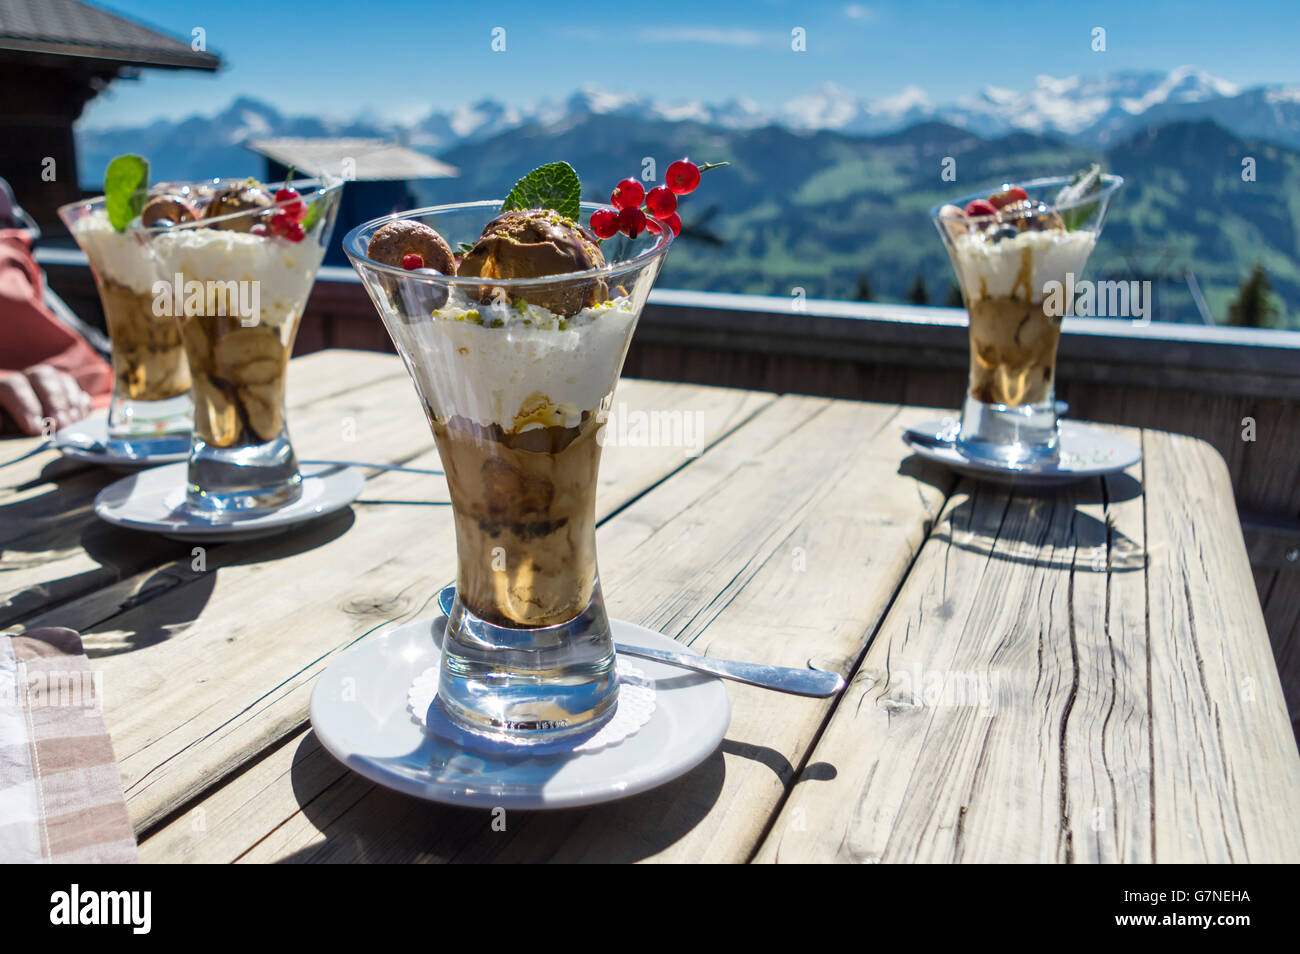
{"points": [[66, 496], [53, 470], [1045, 527], [145, 618], [171, 598], [941, 478], [377, 824]]}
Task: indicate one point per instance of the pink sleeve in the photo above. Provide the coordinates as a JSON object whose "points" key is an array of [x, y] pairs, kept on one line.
{"points": [[29, 332]]}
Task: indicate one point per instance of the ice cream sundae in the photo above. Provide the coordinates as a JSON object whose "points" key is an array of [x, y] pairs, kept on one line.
{"points": [[515, 344], [516, 385], [151, 404], [1007, 249], [242, 258]]}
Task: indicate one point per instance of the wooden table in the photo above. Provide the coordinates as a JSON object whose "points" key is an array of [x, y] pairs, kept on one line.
{"points": [[1077, 676]]}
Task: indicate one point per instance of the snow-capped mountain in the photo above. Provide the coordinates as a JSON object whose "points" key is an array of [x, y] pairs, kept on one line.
{"points": [[1071, 105], [1074, 104], [1090, 109], [833, 107]]}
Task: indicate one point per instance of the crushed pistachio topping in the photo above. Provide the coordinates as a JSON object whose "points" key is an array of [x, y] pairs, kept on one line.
{"points": [[520, 313]]}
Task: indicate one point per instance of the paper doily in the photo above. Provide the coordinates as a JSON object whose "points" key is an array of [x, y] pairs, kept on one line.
{"points": [[636, 704]]}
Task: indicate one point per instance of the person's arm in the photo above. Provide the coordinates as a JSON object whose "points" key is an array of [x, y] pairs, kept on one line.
{"points": [[47, 372]]}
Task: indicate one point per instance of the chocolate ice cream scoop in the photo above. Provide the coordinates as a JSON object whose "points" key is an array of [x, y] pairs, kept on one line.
{"points": [[168, 209], [533, 243], [238, 198], [396, 240]]}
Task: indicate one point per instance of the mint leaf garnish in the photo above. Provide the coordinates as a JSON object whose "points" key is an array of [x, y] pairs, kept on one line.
{"points": [[315, 209], [1082, 184], [552, 186], [126, 189]]}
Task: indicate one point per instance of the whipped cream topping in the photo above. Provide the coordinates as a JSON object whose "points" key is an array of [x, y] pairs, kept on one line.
{"points": [[519, 366], [283, 270], [117, 257], [1019, 267]]}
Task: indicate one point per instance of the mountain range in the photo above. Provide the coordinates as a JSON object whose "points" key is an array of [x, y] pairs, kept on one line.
{"points": [[1091, 110], [834, 214], [829, 192]]}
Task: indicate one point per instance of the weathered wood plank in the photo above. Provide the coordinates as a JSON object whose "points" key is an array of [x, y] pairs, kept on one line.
{"points": [[60, 550], [204, 667], [773, 518], [1079, 750], [311, 378], [1226, 774]]}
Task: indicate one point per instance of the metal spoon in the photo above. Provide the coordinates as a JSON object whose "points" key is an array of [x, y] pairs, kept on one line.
{"points": [[800, 682], [369, 466]]}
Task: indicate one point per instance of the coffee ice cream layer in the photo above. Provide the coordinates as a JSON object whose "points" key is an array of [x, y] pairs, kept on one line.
{"points": [[1013, 351], [148, 359], [525, 509]]}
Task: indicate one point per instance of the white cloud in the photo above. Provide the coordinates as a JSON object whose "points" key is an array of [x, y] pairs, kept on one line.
{"points": [[856, 11], [717, 36]]}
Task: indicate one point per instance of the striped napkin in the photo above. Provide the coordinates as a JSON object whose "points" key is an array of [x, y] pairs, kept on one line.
{"points": [[60, 793]]}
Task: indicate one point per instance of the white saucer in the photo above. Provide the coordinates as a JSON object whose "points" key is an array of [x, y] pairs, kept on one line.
{"points": [[88, 440], [153, 500], [359, 712], [1085, 451]]}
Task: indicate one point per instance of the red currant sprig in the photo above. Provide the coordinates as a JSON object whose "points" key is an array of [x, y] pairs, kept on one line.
{"points": [[286, 223], [627, 215]]}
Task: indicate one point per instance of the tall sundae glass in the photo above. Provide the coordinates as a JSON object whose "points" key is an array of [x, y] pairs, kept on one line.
{"points": [[515, 350], [240, 261], [150, 411], [1018, 254]]}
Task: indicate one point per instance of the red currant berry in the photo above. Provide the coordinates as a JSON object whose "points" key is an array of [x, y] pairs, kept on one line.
{"points": [[661, 201], [683, 176], [258, 229], [674, 222], [631, 222], [294, 232], [412, 261], [1007, 196], [981, 207], [604, 222], [280, 223], [295, 210], [627, 194], [652, 226]]}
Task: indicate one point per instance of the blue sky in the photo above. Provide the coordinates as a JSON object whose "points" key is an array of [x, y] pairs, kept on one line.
{"points": [[399, 58]]}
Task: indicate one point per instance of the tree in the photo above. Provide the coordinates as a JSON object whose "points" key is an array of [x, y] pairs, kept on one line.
{"points": [[863, 291], [917, 294], [954, 299], [1254, 306]]}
